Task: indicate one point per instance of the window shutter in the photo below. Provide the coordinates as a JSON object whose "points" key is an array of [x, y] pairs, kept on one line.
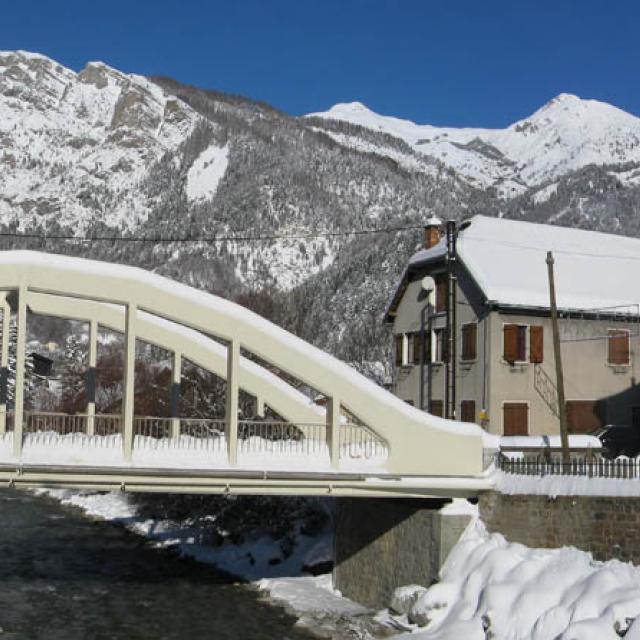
{"points": [[417, 347], [536, 344], [510, 339], [618, 347], [436, 408], [468, 411], [398, 340], [515, 417], [441, 292], [469, 340]]}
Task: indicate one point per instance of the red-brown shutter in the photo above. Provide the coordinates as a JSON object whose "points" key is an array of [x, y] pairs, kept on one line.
{"points": [[441, 292], [436, 408], [417, 348], [469, 341], [510, 343], [468, 410], [398, 340], [618, 346], [536, 344], [582, 417], [515, 419]]}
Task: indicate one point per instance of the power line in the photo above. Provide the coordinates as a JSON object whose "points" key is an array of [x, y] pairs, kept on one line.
{"points": [[206, 239]]}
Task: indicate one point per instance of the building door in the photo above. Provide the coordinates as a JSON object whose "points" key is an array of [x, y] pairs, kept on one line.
{"points": [[515, 418]]}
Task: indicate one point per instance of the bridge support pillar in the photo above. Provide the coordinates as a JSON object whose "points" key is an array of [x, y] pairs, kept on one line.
{"points": [[20, 364], [174, 402], [382, 544], [129, 381], [4, 363], [333, 430], [231, 417], [92, 377], [259, 407]]}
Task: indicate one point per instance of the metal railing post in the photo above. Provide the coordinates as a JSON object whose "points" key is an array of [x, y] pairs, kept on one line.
{"points": [[129, 381], [231, 413]]}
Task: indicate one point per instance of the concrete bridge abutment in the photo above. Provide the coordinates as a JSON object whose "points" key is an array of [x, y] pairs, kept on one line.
{"points": [[383, 544]]}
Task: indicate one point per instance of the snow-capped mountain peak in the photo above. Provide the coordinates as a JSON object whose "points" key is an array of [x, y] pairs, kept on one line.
{"points": [[565, 134]]}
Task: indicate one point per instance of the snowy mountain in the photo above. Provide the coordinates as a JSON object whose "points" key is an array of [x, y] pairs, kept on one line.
{"points": [[75, 146], [566, 134], [103, 153]]}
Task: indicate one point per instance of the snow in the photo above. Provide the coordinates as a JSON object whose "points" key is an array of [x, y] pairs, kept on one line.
{"points": [[565, 485], [507, 259], [564, 135], [575, 440], [492, 588], [185, 452], [206, 172]]}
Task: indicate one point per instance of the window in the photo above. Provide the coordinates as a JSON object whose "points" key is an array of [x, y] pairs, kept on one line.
{"points": [[441, 280], [515, 343], [468, 411], [536, 344], [469, 340], [619, 352], [441, 353], [436, 408], [582, 417], [515, 418]]}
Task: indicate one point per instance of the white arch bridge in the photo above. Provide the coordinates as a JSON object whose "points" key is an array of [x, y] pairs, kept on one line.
{"points": [[363, 441]]}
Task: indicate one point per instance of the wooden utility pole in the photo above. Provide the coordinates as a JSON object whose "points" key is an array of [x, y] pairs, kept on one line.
{"points": [[562, 406]]}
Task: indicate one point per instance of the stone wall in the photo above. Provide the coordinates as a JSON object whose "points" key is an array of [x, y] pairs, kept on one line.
{"points": [[382, 544], [608, 527]]}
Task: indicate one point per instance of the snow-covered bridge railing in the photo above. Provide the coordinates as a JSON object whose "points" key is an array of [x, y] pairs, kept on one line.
{"points": [[359, 420]]}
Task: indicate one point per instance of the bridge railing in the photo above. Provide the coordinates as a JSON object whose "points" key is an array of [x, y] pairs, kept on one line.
{"points": [[61, 423], [152, 427], [267, 436], [358, 441], [281, 438]]}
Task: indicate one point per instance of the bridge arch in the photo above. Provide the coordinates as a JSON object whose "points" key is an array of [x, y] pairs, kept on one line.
{"points": [[418, 443]]}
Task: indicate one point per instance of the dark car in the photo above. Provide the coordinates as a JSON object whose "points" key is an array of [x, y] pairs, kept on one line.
{"points": [[619, 440]]}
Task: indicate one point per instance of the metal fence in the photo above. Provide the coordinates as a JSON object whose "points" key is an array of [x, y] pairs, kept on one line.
{"points": [[584, 462], [151, 427], [281, 438], [60, 423], [358, 441]]}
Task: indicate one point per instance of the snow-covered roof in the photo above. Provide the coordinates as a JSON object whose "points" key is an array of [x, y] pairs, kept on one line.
{"points": [[507, 260]]}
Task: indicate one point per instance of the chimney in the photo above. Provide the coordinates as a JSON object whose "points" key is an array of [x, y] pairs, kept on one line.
{"points": [[432, 232]]}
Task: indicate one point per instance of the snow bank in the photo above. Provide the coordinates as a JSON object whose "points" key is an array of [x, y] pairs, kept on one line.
{"points": [[553, 486], [490, 588]]}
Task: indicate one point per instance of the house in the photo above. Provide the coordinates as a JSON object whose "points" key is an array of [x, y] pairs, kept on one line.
{"points": [[486, 285]]}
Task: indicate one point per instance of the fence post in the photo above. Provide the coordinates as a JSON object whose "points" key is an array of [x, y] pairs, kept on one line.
{"points": [[231, 407], [129, 380]]}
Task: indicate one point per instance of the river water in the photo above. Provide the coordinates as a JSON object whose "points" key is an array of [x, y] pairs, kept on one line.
{"points": [[64, 577]]}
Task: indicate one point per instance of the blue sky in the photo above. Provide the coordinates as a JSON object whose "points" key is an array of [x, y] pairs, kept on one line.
{"points": [[455, 62]]}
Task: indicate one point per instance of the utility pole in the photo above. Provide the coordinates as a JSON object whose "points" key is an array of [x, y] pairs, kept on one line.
{"points": [[451, 321], [562, 407]]}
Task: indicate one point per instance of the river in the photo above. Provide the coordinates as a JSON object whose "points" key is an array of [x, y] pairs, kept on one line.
{"points": [[65, 577]]}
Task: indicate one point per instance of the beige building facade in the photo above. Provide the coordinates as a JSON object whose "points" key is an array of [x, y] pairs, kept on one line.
{"points": [[502, 375]]}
